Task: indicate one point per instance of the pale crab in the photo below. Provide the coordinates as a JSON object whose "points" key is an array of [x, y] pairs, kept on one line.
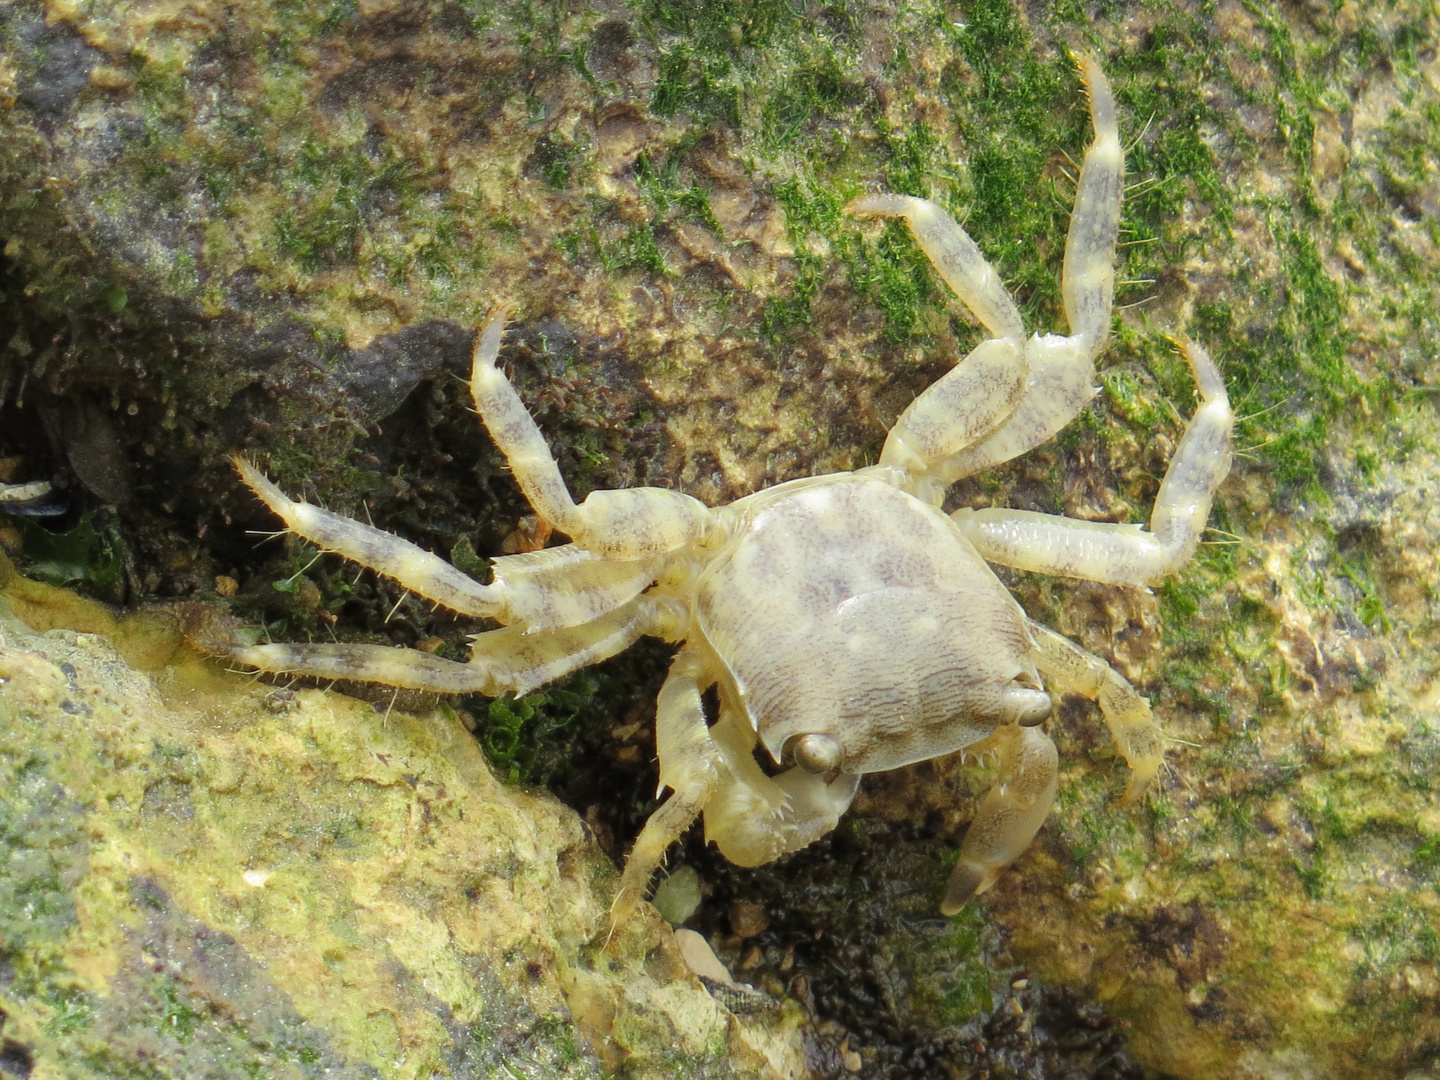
{"points": [[847, 624]]}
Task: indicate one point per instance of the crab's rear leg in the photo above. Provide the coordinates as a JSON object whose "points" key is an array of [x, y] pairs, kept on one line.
{"points": [[506, 661], [630, 523], [1062, 369], [1126, 713], [1121, 554], [1058, 372], [1009, 815], [1088, 282], [979, 393], [955, 255], [413, 567]]}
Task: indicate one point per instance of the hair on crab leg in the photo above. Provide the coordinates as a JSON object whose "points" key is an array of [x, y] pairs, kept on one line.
{"points": [[412, 566]]}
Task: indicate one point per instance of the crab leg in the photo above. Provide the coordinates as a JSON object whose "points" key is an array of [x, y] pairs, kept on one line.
{"points": [[955, 255], [753, 818], [508, 661], [1087, 284], [539, 590], [1058, 372], [1126, 713], [975, 397], [1009, 815], [967, 403], [413, 567], [1062, 369], [689, 767], [1124, 554], [626, 524]]}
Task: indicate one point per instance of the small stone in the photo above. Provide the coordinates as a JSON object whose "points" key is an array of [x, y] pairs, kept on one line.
{"points": [[678, 895], [748, 919], [853, 1061], [430, 644], [701, 958], [226, 586], [788, 961]]}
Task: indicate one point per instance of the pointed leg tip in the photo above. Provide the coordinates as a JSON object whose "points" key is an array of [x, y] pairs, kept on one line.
{"points": [[884, 204], [487, 341], [261, 485], [622, 914], [247, 471], [968, 880], [859, 207], [1136, 789]]}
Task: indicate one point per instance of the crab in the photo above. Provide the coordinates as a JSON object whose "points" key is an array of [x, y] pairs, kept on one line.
{"points": [[847, 624]]}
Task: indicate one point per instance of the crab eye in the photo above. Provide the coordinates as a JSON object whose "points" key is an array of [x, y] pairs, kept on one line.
{"points": [[817, 754], [1027, 705]]}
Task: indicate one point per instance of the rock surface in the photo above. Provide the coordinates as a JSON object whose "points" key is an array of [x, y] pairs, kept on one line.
{"points": [[268, 227], [205, 876]]}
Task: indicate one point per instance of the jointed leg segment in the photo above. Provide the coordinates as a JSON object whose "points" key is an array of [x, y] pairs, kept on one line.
{"points": [[955, 256], [508, 661], [630, 523], [1126, 713], [753, 818], [1124, 554]]}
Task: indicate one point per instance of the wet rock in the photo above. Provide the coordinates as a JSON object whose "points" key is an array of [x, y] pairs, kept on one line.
{"points": [[193, 882]]}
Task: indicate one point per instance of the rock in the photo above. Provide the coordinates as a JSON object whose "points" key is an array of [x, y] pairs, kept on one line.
{"points": [[193, 882], [261, 227]]}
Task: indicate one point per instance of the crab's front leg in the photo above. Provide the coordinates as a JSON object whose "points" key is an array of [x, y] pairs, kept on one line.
{"points": [[630, 523], [690, 766], [1009, 815], [754, 818]]}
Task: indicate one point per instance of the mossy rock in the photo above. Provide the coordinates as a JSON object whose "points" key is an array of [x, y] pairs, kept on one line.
{"points": [[270, 227], [205, 876]]}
